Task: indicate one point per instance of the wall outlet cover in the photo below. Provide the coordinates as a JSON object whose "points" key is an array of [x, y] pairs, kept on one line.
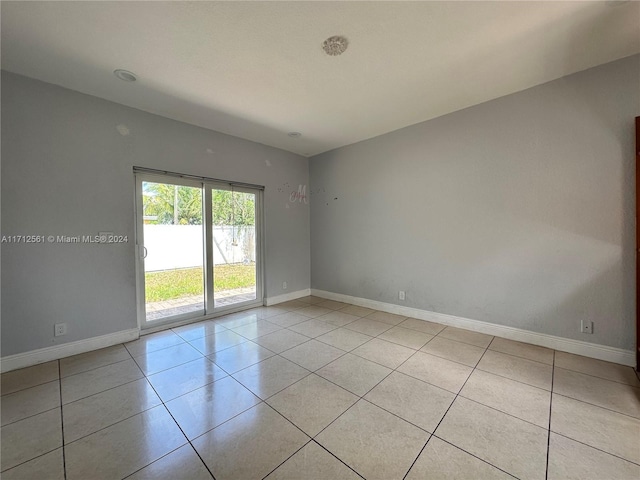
{"points": [[60, 329], [586, 326]]}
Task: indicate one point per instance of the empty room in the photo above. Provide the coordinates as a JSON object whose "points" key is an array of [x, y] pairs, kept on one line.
{"points": [[316, 240]]}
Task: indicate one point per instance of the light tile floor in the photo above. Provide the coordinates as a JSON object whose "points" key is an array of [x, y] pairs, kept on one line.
{"points": [[317, 389]]}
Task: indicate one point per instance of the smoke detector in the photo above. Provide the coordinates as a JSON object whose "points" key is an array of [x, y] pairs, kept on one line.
{"points": [[125, 75], [335, 45]]}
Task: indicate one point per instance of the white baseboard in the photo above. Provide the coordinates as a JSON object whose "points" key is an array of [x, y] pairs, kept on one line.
{"points": [[42, 355], [34, 357], [600, 352], [285, 297]]}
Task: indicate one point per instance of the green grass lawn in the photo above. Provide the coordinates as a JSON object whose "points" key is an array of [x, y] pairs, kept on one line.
{"points": [[170, 284]]}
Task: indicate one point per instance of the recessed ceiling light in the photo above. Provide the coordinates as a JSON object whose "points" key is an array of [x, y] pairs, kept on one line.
{"points": [[125, 75], [294, 134], [335, 45]]}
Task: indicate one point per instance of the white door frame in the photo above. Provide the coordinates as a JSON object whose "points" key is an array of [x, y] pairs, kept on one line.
{"points": [[209, 310]]}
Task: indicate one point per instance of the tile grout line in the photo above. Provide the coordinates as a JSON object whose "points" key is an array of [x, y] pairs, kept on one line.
{"points": [[63, 446], [363, 358], [96, 368], [319, 368], [337, 458], [596, 405], [105, 390], [312, 338], [367, 392], [181, 430], [229, 374], [350, 407], [115, 423], [33, 415], [159, 349], [287, 459], [264, 401], [32, 386], [266, 398], [512, 379], [436, 386], [162, 402], [456, 397], [439, 334], [386, 376], [599, 378], [471, 344], [60, 377], [598, 449], [447, 411], [312, 372], [449, 408], [418, 456], [474, 455], [203, 336], [64, 460], [500, 411], [309, 339], [196, 388], [398, 416], [159, 458], [173, 366], [520, 357], [553, 370], [229, 419], [311, 439], [31, 459], [363, 399], [542, 363], [123, 419], [100, 366]]}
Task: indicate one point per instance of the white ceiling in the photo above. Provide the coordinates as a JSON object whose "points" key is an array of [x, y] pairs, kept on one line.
{"points": [[256, 70]]}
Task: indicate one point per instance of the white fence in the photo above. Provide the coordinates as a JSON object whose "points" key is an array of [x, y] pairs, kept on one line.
{"points": [[181, 246]]}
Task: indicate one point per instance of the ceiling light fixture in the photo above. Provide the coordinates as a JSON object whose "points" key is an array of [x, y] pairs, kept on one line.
{"points": [[335, 45], [125, 75], [294, 134]]}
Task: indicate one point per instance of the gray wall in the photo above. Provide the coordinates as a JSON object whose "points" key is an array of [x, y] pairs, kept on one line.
{"points": [[518, 211], [67, 170]]}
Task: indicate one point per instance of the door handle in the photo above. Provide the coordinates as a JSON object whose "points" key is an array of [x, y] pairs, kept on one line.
{"points": [[143, 252]]}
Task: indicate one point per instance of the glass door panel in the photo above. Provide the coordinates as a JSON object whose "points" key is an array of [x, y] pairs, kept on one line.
{"points": [[199, 248], [234, 246], [173, 250]]}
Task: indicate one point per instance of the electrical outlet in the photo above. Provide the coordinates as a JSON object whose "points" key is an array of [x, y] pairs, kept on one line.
{"points": [[60, 329], [284, 285], [401, 295], [586, 326]]}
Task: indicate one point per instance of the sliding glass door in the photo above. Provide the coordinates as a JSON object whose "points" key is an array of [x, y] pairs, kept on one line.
{"points": [[234, 246], [199, 248], [173, 249]]}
